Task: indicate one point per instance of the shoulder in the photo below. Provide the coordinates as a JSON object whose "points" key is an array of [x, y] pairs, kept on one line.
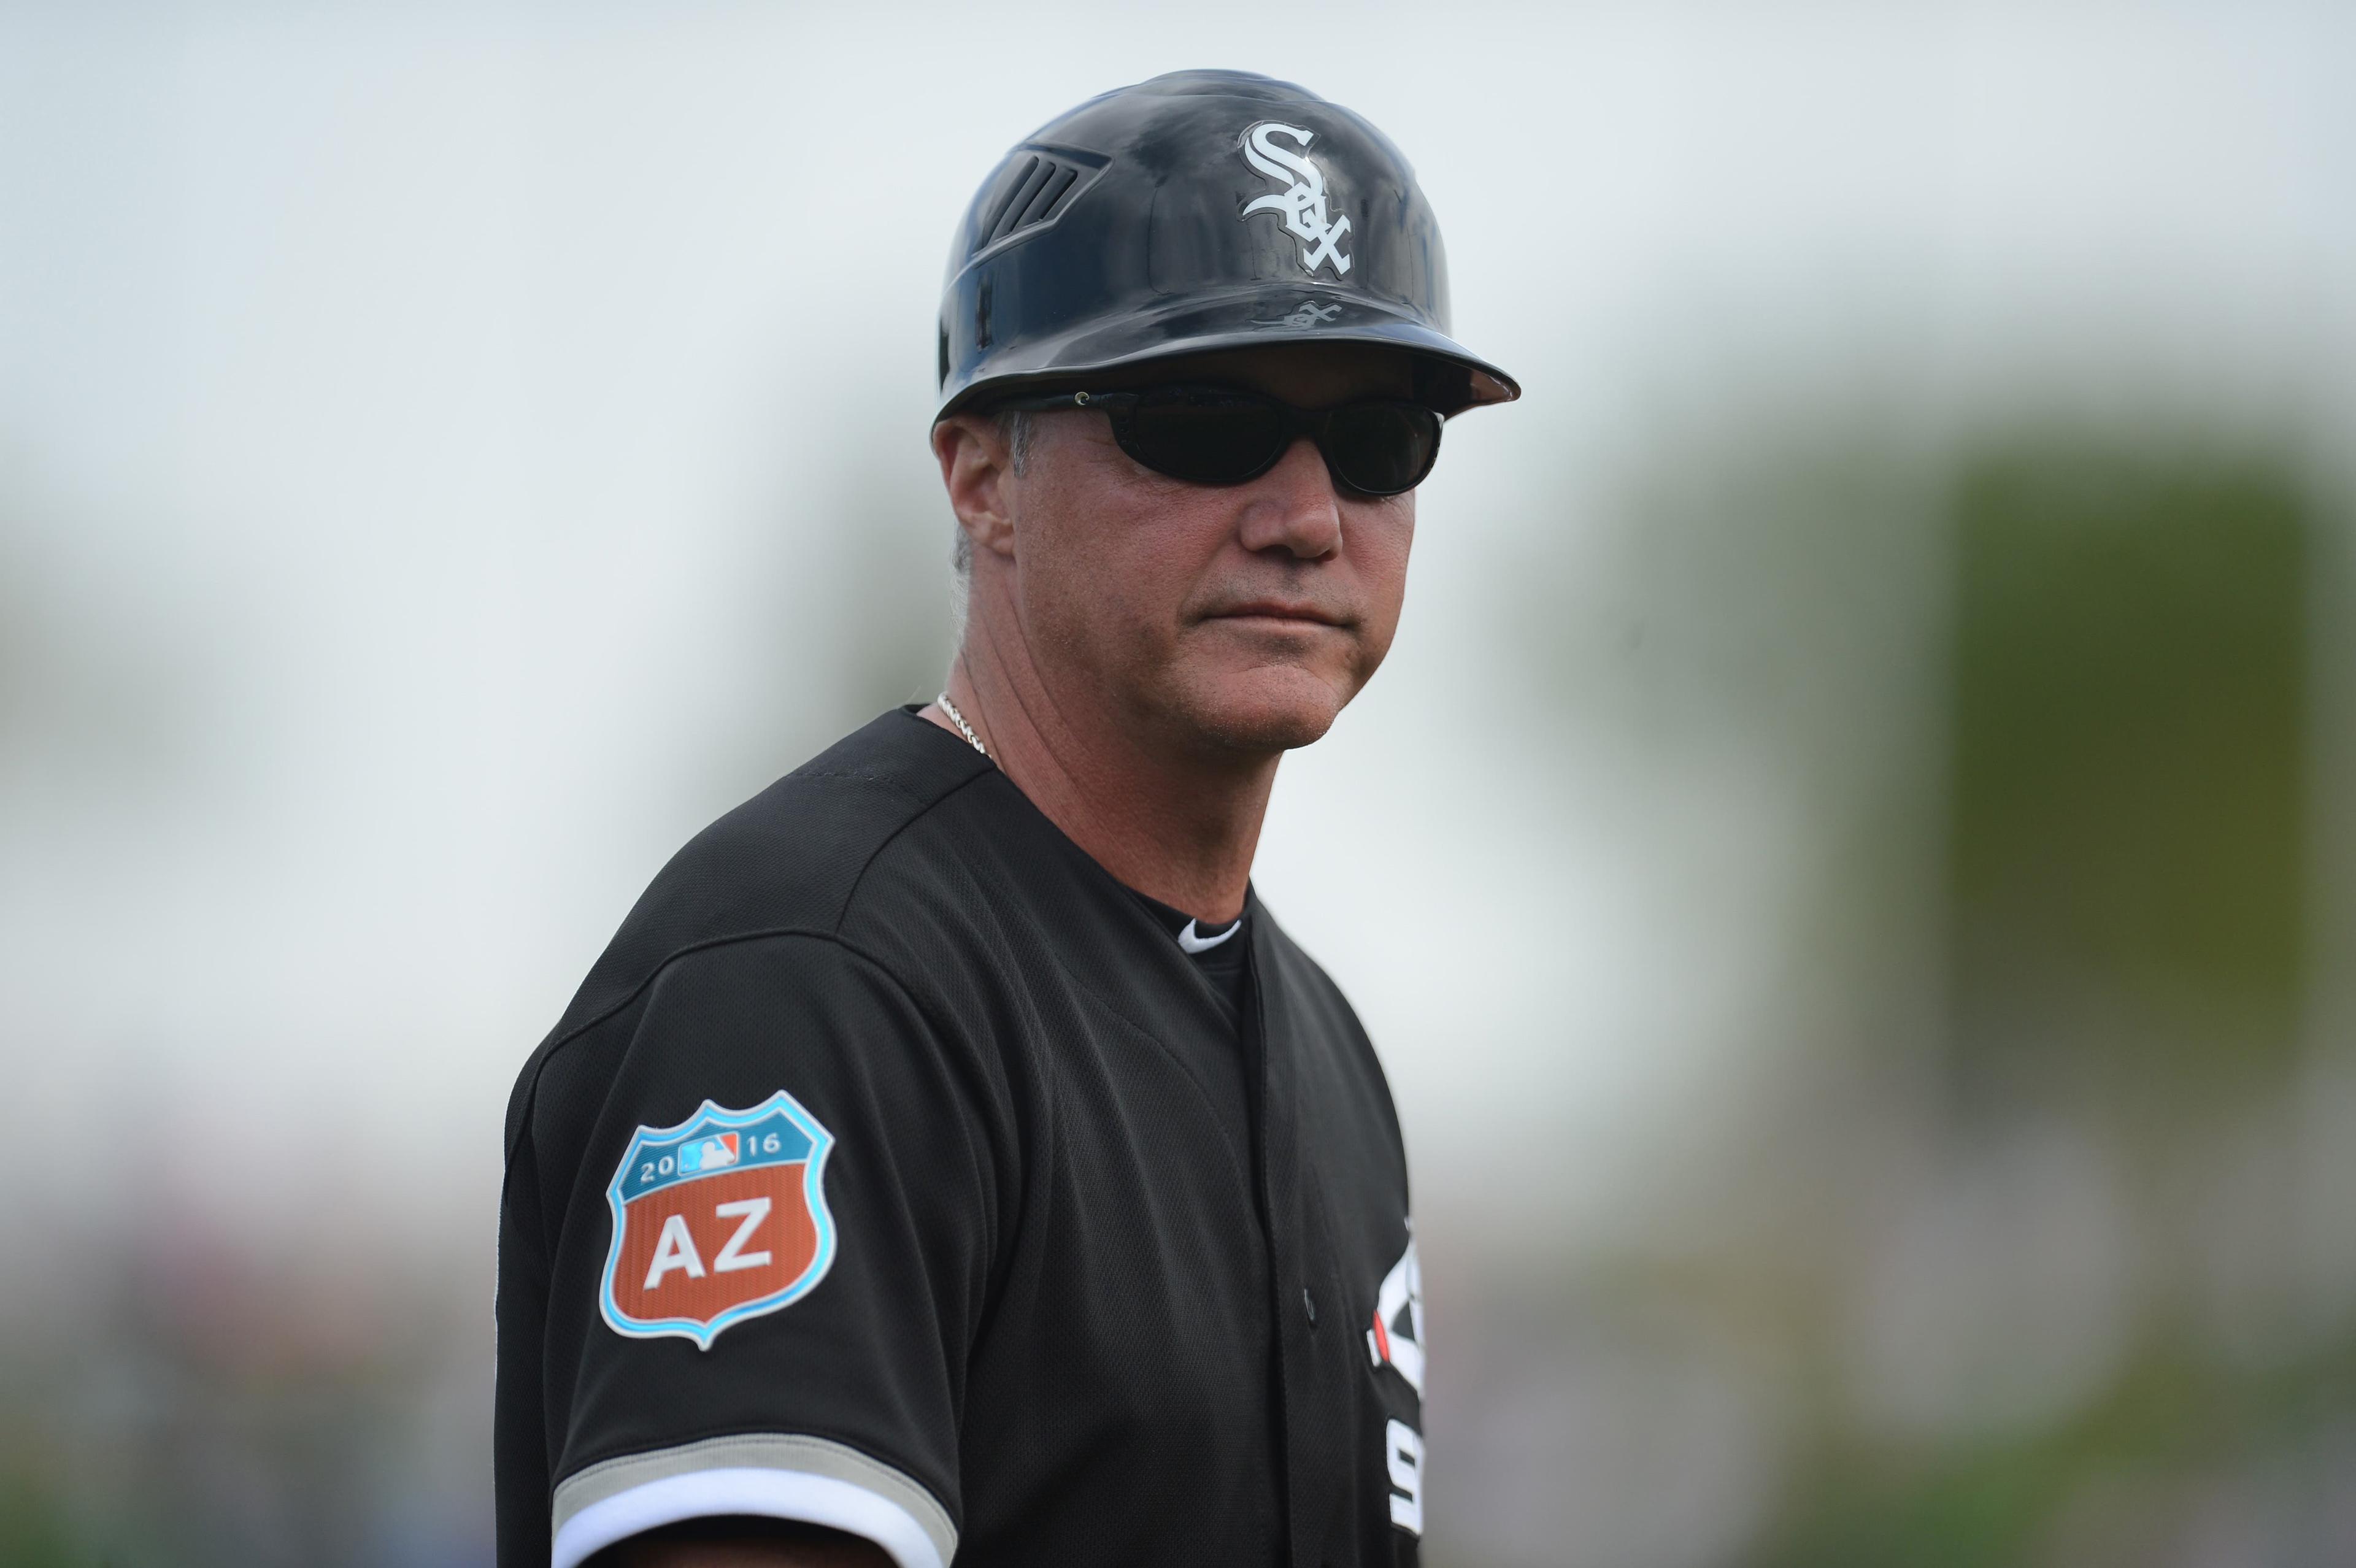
{"points": [[790, 862], [1306, 979], [1338, 1052]]}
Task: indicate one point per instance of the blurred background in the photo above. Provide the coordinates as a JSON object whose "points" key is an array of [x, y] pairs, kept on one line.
{"points": [[1851, 866]]}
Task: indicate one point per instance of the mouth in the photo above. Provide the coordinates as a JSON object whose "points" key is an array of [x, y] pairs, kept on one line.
{"points": [[1278, 610]]}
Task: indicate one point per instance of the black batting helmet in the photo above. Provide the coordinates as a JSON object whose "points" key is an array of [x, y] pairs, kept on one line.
{"points": [[1200, 210]]}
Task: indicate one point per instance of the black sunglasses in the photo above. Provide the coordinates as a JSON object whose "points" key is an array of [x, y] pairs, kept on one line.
{"points": [[1219, 435]]}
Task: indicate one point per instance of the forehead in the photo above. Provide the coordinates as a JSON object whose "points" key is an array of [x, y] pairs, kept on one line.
{"points": [[1309, 375]]}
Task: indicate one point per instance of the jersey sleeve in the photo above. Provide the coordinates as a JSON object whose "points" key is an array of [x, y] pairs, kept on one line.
{"points": [[749, 1227]]}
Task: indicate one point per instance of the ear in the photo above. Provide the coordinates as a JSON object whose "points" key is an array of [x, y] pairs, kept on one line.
{"points": [[976, 470]]}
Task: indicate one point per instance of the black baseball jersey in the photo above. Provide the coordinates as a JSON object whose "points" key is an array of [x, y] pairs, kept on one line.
{"points": [[897, 1170]]}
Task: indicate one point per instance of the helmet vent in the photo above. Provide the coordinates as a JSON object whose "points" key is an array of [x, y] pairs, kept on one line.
{"points": [[1034, 189]]}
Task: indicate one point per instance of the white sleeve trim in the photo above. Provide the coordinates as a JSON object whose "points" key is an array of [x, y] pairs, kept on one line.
{"points": [[767, 1476]]}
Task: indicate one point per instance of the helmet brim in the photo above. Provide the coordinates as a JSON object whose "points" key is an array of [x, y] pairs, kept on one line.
{"points": [[1449, 376]]}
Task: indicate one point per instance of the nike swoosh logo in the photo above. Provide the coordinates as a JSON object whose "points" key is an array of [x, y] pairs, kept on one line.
{"points": [[1190, 942]]}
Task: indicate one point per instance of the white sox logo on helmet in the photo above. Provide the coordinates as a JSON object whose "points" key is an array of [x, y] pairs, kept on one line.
{"points": [[1301, 203]]}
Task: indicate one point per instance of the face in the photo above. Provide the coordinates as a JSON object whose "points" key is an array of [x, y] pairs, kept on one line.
{"points": [[1238, 618]]}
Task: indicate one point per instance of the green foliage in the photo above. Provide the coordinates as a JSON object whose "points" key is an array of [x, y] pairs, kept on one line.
{"points": [[2128, 829], [2127, 854], [33, 1533], [2173, 1417]]}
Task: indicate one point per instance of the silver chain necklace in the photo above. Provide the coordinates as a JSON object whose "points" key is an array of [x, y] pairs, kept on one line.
{"points": [[958, 720]]}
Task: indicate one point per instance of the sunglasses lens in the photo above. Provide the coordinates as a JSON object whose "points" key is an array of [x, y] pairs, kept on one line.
{"points": [[1382, 449], [1204, 438]]}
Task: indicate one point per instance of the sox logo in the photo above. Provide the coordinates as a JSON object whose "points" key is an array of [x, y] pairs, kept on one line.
{"points": [[1302, 203], [1305, 314], [717, 1219], [1396, 1340]]}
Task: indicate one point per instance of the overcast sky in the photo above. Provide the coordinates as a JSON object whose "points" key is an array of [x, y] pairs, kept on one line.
{"points": [[434, 442]]}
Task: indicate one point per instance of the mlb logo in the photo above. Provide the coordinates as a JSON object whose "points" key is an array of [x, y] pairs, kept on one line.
{"points": [[709, 1155], [719, 1219]]}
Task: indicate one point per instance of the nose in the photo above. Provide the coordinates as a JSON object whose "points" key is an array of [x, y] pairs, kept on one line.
{"points": [[1292, 507]]}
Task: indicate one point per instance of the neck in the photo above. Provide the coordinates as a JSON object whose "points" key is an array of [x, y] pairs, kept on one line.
{"points": [[1177, 824]]}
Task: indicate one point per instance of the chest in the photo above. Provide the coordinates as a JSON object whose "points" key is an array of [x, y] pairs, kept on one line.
{"points": [[1187, 1315]]}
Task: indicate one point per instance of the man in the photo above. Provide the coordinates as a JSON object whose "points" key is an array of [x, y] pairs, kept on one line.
{"points": [[950, 1157]]}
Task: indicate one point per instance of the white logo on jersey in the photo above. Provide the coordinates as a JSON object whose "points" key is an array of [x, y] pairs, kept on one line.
{"points": [[1396, 1337], [1397, 1341], [1403, 1456], [1192, 940], [1302, 203]]}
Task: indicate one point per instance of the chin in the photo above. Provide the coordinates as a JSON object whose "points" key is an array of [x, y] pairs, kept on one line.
{"points": [[1265, 710]]}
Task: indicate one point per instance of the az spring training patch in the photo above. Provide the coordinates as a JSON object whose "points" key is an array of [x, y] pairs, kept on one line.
{"points": [[719, 1219]]}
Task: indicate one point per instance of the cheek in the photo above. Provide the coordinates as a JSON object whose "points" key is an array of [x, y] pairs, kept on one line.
{"points": [[1381, 538], [1167, 550], [1109, 560]]}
